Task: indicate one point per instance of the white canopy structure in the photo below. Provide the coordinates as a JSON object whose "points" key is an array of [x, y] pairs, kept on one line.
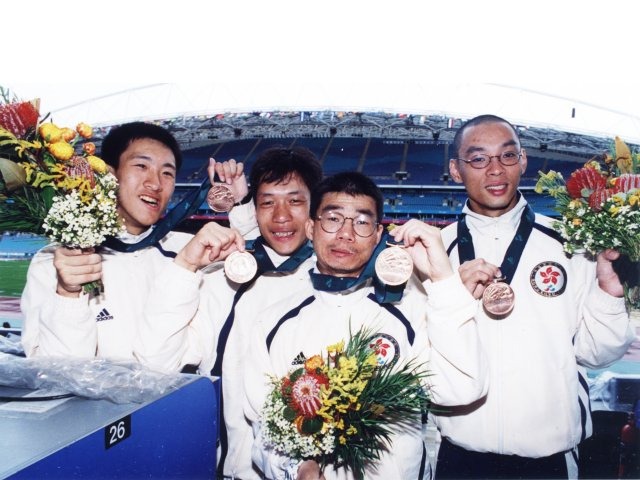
{"points": [[568, 65], [522, 106]]}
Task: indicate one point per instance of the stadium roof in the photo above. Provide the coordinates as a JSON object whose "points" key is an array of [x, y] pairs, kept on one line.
{"points": [[523, 106], [568, 66], [548, 113]]}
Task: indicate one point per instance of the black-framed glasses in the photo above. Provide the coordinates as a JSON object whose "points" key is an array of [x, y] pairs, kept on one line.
{"points": [[363, 225], [482, 160]]}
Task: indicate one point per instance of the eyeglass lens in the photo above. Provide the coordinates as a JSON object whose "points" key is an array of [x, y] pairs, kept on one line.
{"points": [[363, 225]]}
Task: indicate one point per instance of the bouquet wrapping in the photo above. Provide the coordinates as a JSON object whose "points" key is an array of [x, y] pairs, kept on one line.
{"points": [[50, 186], [340, 408], [599, 207]]}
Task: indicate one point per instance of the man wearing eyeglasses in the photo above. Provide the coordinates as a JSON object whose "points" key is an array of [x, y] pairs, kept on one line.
{"points": [[342, 296], [543, 318]]}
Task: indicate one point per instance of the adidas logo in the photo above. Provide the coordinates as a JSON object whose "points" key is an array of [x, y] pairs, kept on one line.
{"points": [[299, 360], [104, 315]]}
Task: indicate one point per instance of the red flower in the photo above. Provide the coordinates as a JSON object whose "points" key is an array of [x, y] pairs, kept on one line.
{"points": [[79, 167], [584, 182], [305, 394], [626, 182], [597, 198], [18, 117]]}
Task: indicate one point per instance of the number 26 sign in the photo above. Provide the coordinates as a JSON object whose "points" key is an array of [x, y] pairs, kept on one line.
{"points": [[117, 431]]}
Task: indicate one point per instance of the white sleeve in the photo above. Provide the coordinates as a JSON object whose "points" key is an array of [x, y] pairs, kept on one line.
{"points": [[243, 219], [54, 325], [165, 338], [257, 386], [457, 359], [605, 333]]}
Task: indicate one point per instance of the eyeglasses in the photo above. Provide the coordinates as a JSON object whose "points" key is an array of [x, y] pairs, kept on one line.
{"points": [[363, 224], [481, 160]]}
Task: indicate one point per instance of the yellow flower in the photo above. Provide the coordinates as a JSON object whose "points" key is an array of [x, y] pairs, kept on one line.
{"points": [[618, 199], [633, 199], [343, 440], [50, 132], [577, 222], [336, 347], [352, 430], [97, 164], [550, 181], [84, 130], [67, 134], [594, 164], [575, 204], [313, 363], [61, 150], [89, 148]]}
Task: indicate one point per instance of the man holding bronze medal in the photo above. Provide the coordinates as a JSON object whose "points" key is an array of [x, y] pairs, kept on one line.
{"points": [[342, 295], [543, 318], [61, 320], [213, 340]]}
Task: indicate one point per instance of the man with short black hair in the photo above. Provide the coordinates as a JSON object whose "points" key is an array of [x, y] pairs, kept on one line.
{"points": [[543, 319], [214, 339], [341, 295], [62, 321]]}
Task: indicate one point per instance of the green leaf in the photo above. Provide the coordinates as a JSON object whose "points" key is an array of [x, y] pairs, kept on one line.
{"points": [[289, 414], [296, 374], [311, 425], [12, 174], [47, 196]]}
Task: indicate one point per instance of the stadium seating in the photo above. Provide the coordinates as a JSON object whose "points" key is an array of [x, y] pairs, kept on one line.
{"points": [[20, 245], [413, 174]]}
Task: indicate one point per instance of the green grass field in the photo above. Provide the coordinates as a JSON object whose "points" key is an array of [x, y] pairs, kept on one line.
{"points": [[13, 275]]}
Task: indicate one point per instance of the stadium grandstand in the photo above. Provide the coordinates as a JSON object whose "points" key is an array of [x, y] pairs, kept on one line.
{"points": [[407, 155], [19, 246]]}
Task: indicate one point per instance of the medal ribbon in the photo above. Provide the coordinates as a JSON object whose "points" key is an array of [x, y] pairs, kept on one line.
{"points": [[514, 251], [266, 265], [187, 206], [384, 293]]}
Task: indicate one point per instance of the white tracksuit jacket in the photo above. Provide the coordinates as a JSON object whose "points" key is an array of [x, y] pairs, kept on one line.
{"points": [[189, 334], [106, 325], [538, 401], [142, 285], [445, 336]]}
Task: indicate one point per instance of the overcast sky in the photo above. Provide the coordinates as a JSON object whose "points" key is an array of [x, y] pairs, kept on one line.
{"points": [[330, 51]]}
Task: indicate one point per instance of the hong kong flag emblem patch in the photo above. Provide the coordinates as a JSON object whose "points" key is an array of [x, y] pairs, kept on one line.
{"points": [[385, 347], [549, 279]]}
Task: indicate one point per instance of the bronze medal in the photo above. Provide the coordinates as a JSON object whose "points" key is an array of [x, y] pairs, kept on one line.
{"points": [[220, 198], [240, 267], [498, 300], [394, 266]]}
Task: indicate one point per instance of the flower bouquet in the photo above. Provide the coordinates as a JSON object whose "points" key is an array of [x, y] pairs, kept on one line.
{"points": [[339, 409], [48, 187], [600, 208]]}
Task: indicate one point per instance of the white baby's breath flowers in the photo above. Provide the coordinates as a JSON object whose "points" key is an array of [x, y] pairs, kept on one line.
{"points": [[74, 223], [283, 436]]}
